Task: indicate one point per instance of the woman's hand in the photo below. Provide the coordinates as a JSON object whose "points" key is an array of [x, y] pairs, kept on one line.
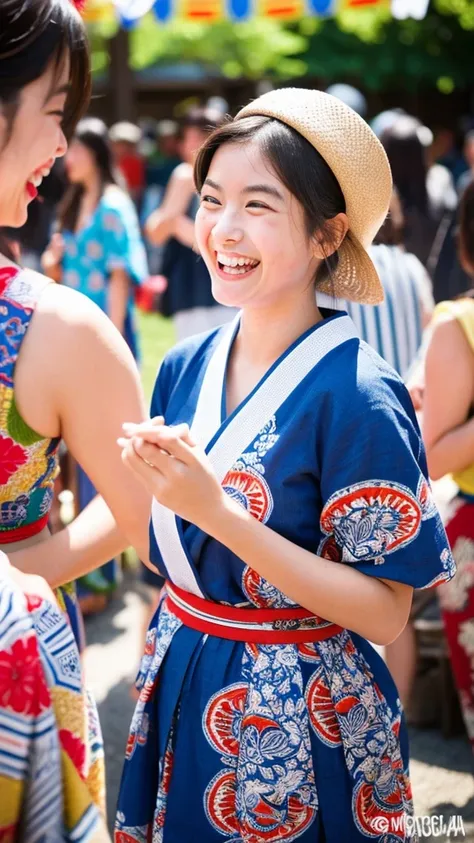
{"points": [[175, 470]]}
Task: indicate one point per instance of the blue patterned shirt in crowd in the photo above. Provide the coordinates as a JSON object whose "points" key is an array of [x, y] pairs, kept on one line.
{"points": [[395, 327], [110, 240]]}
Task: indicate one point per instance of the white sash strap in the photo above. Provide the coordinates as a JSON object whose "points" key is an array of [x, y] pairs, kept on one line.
{"points": [[244, 427], [207, 416]]}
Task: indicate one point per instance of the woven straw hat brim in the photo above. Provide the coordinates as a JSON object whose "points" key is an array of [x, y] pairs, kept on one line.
{"points": [[358, 161]]}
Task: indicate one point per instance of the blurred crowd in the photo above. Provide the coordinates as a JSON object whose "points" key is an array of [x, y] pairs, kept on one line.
{"points": [[115, 220]]}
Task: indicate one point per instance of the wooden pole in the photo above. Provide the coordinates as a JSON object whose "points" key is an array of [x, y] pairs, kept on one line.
{"points": [[121, 78]]}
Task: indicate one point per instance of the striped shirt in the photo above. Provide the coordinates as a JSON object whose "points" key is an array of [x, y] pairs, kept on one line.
{"points": [[394, 328]]}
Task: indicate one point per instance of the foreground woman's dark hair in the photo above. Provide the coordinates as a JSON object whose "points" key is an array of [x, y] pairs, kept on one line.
{"points": [[296, 163]]}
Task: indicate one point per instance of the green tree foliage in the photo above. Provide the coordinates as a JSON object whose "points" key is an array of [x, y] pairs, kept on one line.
{"points": [[360, 45]]}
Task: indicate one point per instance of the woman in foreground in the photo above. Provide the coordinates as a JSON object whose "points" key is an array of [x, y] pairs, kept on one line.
{"points": [[292, 520], [64, 372]]}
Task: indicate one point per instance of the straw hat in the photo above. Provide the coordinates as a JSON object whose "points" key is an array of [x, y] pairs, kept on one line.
{"points": [[358, 160]]}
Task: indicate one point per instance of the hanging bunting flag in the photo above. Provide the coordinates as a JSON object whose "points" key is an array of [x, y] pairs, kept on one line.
{"points": [[206, 11], [163, 10], [130, 11], [355, 5], [99, 11], [281, 9], [417, 9], [322, 8], [239, 10]]}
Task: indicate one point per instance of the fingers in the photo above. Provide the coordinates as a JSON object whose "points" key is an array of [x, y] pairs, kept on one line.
{"points": [[157, 433]]}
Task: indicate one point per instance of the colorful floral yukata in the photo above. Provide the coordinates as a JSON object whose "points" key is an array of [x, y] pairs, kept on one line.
{"points": [[258, 722], [51, 755]]}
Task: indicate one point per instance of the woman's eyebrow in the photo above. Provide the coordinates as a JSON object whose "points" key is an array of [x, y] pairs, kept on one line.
{"points": [[264, 188], [252, 188]]}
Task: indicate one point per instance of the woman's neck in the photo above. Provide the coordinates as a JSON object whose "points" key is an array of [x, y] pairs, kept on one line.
{"points": [[266, 333], [92, 189]]}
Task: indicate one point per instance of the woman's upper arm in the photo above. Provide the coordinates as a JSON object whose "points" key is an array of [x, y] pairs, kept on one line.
{"points": [[448, 381], [96, 390], [175, 202]]}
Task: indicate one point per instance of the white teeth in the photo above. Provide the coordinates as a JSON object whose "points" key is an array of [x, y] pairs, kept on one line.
{"points": [[36, 180], [231, 270], [233, 262]]}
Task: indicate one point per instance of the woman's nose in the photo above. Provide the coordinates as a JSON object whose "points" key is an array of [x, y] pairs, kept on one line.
{"points": [[62, 145]]}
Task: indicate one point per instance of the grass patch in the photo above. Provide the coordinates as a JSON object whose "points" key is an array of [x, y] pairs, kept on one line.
{"points": [[157, 336]]}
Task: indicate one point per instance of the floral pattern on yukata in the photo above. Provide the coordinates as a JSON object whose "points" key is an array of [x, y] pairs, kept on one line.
{"points": [[266, 789]]}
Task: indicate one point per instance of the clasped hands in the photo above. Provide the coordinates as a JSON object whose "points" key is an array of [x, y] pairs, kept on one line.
{"points": [[174, 469]]}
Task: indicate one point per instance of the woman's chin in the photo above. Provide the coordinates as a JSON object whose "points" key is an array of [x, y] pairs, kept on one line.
{"points": [[225, 295]]}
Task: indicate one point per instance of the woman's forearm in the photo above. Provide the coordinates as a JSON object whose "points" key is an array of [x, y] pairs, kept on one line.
{"points": [[118, 298], [452, 452], [89, 541], [335, 592]]}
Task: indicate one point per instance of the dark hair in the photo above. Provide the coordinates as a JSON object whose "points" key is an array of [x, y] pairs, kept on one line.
{"points": [[94, 135], [406, 155], [466, 230], [204, 119], [391, 232], [297, 164], [34, 33]]}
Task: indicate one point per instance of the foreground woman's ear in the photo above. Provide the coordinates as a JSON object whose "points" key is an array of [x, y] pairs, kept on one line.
{"points": [[328, 241]]}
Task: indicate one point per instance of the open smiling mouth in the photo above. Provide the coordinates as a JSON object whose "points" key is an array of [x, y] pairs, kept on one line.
{"points": [[235, 266]]}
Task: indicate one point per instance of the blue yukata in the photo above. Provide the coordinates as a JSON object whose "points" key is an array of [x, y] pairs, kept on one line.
{"points": [[257, 723], [110, 240]]}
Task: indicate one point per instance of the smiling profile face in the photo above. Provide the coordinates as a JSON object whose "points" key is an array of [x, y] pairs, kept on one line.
{"points": [[30, 145], [251, 233]]}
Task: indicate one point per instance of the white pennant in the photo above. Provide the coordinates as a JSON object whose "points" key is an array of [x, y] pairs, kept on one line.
{"points": [[417, 9]]}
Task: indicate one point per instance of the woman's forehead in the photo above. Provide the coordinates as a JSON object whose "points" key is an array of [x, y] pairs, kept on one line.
{"points": [[237, 164]]}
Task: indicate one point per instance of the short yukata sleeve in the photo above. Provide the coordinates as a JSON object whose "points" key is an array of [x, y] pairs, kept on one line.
{"points": [[378, 513], [123, 246]]}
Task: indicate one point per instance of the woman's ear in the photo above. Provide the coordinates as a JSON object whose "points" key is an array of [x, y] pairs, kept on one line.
{"points": [[327, 241]]}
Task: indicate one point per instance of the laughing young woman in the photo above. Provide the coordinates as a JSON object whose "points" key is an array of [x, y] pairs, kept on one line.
{"points": [[292, 520], [64, 371]]}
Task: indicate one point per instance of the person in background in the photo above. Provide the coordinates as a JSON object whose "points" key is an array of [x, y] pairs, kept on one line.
{"points": [[98, 250], [125, 139], [429, 201], [468, 176], [395, 327], [350, 96], [188, 298], [448, 432], [167, 157]]}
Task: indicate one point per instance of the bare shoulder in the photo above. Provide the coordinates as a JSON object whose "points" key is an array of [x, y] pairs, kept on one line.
{"points": [[71, 321], [447, 337]]}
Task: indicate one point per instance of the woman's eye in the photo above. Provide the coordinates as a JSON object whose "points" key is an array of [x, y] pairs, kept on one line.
{"points": [[258, 205], [59, 114], [211, 199]]}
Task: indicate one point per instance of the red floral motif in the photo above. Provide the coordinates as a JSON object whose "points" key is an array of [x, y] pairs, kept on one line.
{"points": [[22, 685], [220, 803], [322, 711], [123, 837], [222, 719], [12, 456], [75, 749], [6, 276], [250, 490], [33, 602]]}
